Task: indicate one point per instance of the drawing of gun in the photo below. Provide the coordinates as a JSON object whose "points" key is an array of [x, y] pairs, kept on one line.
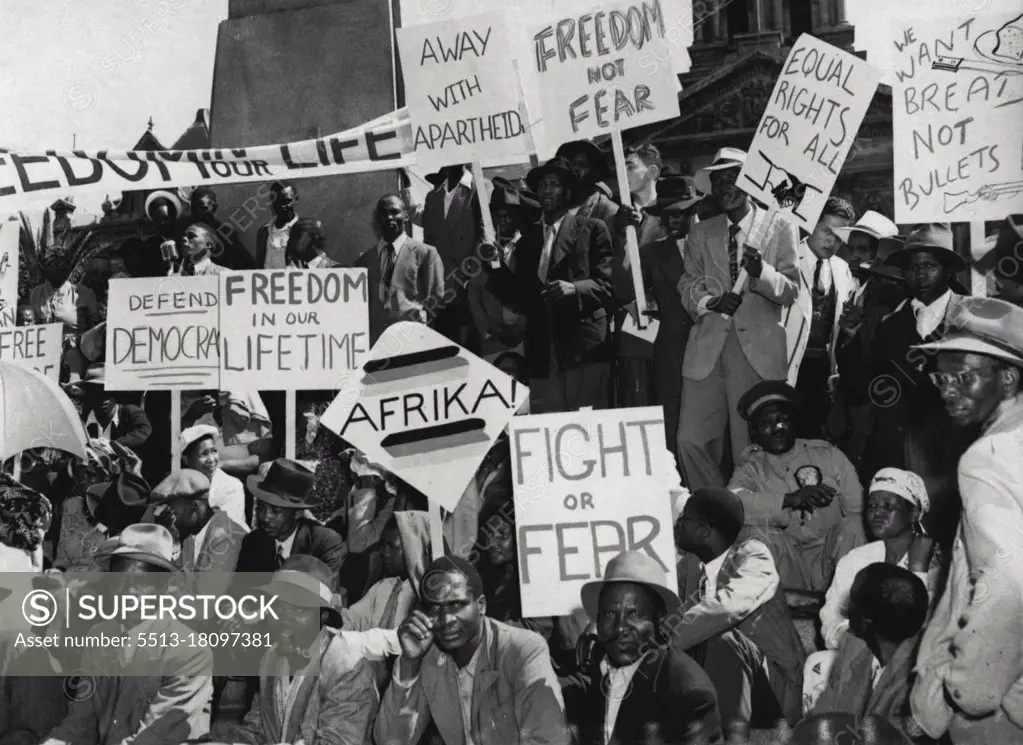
{"points": [[955, 64], [988, 193], [5, 264]]}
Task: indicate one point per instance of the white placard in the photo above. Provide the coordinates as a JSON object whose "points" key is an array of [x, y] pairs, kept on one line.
{"points": [[36, 347], [10, 241]]}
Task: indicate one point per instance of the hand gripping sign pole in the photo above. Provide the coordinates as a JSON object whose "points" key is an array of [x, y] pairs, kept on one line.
{"points": [[631, 240], [756, 240]]}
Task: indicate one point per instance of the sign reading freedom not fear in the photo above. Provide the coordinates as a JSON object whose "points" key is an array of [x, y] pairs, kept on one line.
{"points": [[587, 487]]}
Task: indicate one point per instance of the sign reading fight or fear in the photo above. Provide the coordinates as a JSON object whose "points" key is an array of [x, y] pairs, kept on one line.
{"points": [[425, 409], [587, 487]]}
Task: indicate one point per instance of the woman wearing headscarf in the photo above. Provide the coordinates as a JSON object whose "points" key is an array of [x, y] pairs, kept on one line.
{"points": [[199, 452], [25, 516]]}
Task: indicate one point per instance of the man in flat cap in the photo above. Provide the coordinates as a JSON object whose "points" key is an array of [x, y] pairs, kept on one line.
{"points": [[970, 662], [803, 498]]}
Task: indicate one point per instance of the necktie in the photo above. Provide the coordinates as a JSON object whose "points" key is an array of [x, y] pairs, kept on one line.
{"points": [[388, 272], [817, 275], [733, 252], [280, 556], [545, 256], [703, 583]]}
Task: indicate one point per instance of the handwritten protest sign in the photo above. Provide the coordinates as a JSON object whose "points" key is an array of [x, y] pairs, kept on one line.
{"points": [[36, 347], [425, 409], [586, 488], [10, 233], [462, 90], [596, 73], [957, 107], [292, 329], [163, 332], [808, 127]]}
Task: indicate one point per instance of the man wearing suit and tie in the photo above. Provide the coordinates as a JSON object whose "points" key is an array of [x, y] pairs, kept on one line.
{"points": [[406, 277], [564, 278], [725, 357]]}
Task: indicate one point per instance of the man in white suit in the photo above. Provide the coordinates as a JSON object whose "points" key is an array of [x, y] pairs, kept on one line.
{"points": [[811, 323], [725, 357]]}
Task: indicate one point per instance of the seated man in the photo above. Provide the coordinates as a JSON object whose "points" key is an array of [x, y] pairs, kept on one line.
{"points": [[874, 669], [736, 587], [636, 688], [801, 497], [477, 680], [314, 687]]}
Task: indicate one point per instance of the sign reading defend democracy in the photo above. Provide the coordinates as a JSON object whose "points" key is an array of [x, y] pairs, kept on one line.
{"points": [[425, 409], [36, 347], [808, 127], [596, 73], [163, 332], [292, 329], [956, 113], [462, 90], [586, 489]]}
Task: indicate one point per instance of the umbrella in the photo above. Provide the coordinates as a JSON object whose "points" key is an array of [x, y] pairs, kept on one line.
{"points": [[35, 413]]}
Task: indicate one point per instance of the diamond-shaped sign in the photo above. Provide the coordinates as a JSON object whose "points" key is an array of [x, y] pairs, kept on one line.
{"points": [[426, 409]]}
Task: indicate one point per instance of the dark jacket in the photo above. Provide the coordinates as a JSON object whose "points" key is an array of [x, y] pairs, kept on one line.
{"points": [[671, 702], [259, 552], [456, 234], [599, 206], [234, 254], [132, 428], [577, 326]]}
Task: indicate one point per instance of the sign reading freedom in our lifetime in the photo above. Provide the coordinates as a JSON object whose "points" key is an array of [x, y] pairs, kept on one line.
{"points": [[957, 107], [807, 129], [586, 488], [163, 332], [292, 329], [596, 72], [36, 347], [463, 91], [426, 409]]}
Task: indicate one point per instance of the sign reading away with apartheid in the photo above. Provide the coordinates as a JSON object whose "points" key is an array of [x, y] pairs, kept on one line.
{"points": [[426, 409], [586, 489], [462, 90], [808, 128], [36, 347], [596, 71], [292, 329], [957, 106], [163, 332]]}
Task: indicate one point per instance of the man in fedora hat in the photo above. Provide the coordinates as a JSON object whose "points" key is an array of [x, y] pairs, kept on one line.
{"points": [[640, 687], [282, 530], [314, 686], [594, 198], [1009, 252], [970, 662], [164, 210], [162, 695], [477, 680], [663, 264], [900, 391], [123, 423], [565, 281], [737, 340]]}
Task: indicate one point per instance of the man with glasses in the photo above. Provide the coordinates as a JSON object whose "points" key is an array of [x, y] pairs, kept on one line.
{"points": [[970, 663], [738, 339]]}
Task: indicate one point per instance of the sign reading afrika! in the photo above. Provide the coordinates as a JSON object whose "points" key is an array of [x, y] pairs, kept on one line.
{"points": [[426, 409], [586, 488], [292, 329], [463, 92], [36, 347], [596, 73], [808, 128]]}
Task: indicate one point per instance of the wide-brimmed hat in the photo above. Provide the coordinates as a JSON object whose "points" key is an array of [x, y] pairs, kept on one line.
{"points": [[598, 161], [193, 434], [287, 484], [935, 239], [983, 325], [304, 582], [560, 167], [766, 392], [676, 192], [1009, 249], [639, 568], [161, 194], [505, 194], [871, 223], [435, 179], [95, 377], [146, 542], [118, 503], [726, 157], [184, 483]]}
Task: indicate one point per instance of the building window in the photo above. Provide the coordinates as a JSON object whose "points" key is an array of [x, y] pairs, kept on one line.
{"points": [[800, 17], [737, 13]]}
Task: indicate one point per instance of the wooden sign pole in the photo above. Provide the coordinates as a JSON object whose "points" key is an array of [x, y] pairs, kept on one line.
{"points": [[978, 282], [481, 189], [175, 431], [436, 529], [631, 241], [290, 419]]}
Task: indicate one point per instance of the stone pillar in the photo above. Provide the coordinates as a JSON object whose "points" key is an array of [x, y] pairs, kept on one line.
{"points": [[839, 12], [758, 16], [715, 25], [780, 21]]}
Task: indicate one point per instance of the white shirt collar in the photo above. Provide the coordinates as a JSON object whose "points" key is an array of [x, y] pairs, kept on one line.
{"points": [[200, 537], [287, 543], [397, 243], [556, 225], [746, 223], [272, 225], [929, 317], [465, 181], [712, 568]]}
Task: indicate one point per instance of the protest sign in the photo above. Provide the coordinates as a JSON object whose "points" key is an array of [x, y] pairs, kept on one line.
{"points": [[807, 129], [956, 117], [10, 235], [36, 347], [425, 409], [462, 90], [595, 74], [163, 332], [292, 329], [587, 487]]}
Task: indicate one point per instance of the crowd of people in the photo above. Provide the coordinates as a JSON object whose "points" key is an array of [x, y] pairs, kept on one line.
{"points": [[846, 430]]}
